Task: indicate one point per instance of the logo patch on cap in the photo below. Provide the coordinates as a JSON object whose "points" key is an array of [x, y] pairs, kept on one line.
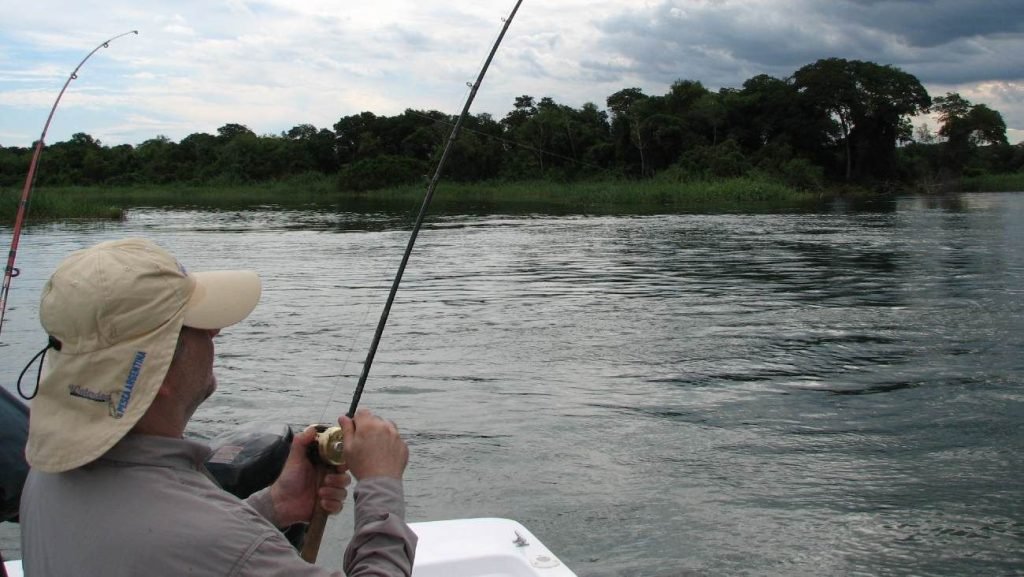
{"points": [[129, 385], [84, 393]]}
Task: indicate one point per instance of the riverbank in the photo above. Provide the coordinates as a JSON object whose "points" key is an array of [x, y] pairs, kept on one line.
{"points": [[592, 196], [607, 196]]}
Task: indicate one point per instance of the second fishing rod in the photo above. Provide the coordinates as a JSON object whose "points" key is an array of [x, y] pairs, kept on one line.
{"points": [[328, 450]]}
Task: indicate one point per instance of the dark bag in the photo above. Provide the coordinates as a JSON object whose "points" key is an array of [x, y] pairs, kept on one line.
{"points": [[13, 468]]}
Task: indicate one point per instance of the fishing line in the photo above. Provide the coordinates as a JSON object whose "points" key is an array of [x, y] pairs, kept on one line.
{"points": [[422, 214], [10, 271], [374, 285], [379, 286], [328, 449]]}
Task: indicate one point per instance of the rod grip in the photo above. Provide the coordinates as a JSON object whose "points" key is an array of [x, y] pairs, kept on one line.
{"points": [[315, 531]]}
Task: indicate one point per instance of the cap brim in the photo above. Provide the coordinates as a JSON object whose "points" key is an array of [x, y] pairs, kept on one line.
{"points": [[80, 411], [222, 298]]}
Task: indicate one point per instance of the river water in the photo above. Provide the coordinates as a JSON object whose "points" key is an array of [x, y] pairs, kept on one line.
{"points": [[825, 393]]}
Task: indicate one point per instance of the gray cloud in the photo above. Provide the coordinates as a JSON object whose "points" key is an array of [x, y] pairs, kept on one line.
{"points": [[724, 42], [932, 23]]}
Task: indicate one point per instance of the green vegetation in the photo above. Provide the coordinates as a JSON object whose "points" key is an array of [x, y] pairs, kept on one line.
{"points": [[994, 183], [607, 196], [591, 197], [832, 125], [60, 205], [112, 201]]}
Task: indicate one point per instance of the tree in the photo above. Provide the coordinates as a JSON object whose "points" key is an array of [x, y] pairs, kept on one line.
{"points": [[198, 152], [869, 103], [830, 86], [158, 159], [311, 149], [891, 97], [966, 126], [477, 153], [427, 136], [357, 137], [976, 124], [525, 155], [667, 137], [233, 131], [767, 111], [626, 122], [684, 96], [710, 110], [594, 134], [521, 112], [65, 162], [14, 165]]}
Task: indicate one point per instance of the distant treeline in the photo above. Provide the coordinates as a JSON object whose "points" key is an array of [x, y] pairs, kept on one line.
{"points": [[833, 121]]}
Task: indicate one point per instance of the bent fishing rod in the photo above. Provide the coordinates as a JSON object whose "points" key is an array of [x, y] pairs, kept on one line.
{"points": [[26, 193], [423, 211], [329, 443]]}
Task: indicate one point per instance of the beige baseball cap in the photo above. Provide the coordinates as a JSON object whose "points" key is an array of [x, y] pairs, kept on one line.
{"points": [[117, 308]]}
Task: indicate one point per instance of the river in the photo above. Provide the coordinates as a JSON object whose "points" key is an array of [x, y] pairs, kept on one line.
{"points": [[836, 392]]}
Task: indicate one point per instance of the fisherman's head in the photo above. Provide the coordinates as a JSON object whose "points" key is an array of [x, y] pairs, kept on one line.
{"points": [[116, 313]]}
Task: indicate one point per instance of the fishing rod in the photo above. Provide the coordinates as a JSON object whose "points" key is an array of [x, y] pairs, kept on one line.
{"points": [[327, 451], [9, 271], [423, 211]]}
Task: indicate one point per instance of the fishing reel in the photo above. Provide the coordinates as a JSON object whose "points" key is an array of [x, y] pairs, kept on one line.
{"points": [[329, 446], [325, 452]]}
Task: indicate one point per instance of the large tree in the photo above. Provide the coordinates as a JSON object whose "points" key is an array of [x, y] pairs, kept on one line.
{"points": [[626, 118], [870, 103], [966, 126]]}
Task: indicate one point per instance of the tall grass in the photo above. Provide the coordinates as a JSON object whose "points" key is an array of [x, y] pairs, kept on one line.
{"points": [[1012, 182], [111, 202], [596, 196], [619, 195], [60, 204]]}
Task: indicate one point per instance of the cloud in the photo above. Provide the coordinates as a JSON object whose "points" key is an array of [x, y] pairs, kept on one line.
{"points": [[715, 41], [273, 64], [932, 23]]}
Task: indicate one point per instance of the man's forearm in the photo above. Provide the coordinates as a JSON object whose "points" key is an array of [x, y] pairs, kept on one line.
{"points": [[383, 544]]}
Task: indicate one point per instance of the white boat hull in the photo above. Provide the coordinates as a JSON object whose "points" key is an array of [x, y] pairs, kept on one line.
{"points": [[487, 547]]}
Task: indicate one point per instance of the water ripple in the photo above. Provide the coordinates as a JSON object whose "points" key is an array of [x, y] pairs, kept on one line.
{"points": [[774, 394]]}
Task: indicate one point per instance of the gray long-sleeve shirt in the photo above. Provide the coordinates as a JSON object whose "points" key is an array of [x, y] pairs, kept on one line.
{"points": [[148, 507]]}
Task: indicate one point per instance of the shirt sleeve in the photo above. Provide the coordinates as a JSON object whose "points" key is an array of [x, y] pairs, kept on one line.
{"points": [[271, 555], [383, 544], [261, 502]]}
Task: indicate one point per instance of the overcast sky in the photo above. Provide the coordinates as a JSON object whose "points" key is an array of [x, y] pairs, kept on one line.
{"points": [[273, 64]]}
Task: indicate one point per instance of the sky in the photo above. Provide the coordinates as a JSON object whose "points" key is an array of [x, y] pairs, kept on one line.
{"points": [[270, 65]]}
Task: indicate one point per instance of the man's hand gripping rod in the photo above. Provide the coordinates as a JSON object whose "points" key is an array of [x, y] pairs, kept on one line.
{"points": [[326, 453]]}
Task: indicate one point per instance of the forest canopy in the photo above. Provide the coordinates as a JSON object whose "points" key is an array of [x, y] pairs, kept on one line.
{"points": [[833, 121]]}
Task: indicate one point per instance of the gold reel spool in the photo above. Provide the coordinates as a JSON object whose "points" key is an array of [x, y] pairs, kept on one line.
{"points": [[330, 443]]}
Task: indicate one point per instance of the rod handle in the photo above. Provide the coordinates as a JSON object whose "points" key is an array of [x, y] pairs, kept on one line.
{"points": [[315, 531]]}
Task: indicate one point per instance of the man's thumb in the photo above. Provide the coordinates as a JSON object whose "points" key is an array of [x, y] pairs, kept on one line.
{"points": [[301, 442]]}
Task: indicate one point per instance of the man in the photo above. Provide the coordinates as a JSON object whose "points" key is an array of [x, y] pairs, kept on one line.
{"points": [[115, 489]]}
